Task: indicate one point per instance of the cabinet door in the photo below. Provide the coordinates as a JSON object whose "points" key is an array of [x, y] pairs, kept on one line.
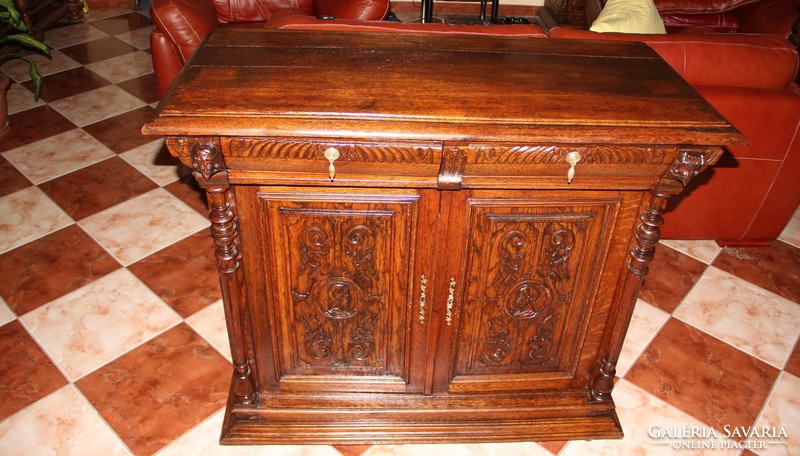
{"points": [[339, 277], [531, 263]]}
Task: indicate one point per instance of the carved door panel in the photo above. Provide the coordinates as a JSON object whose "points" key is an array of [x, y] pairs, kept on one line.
{"points": [[532, 265], [342, 264]]}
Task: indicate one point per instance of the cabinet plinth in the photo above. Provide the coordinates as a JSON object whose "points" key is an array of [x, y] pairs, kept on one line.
{"points": [[451, 257]]}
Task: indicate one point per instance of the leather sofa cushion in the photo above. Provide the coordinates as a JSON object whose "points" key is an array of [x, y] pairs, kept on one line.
{"points": [[725, 60], [699, 6], [720, 22], [360, 10], [312, 23], [236, 11]]}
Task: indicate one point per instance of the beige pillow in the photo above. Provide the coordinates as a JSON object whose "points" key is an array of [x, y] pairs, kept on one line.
{"points": [[629, 16]]}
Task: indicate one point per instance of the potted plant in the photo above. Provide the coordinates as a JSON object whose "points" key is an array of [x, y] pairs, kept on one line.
{"points": [[19, 37]]}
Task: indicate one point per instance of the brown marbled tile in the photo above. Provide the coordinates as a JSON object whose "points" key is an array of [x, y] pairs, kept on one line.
{"points": [[184, 274], [793, 363], [703, 376], [672, 275], [32, 125], [352, 450], [123, 23], [50, 267], [97, 50], [144, 87], [188, 191], [94, 188], [775, 268], [554, 447], [11, 179], [26, 374], [68, 83], [123, 132], [155, 393]]}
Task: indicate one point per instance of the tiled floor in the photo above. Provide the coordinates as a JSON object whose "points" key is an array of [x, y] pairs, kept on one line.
{"points": [[106, 349]]}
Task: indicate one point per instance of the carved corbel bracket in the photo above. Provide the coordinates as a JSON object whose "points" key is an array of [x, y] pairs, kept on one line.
{"points": [[688, 163], [451, 170], [207, 160], [203, 155]]}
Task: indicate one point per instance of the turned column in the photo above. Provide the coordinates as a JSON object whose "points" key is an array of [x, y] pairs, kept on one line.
{"points": [[209, 169], [688, 163]]}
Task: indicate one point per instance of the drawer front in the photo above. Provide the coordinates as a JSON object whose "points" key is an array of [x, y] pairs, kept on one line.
{"points": [[629, 165], [353, 161]]}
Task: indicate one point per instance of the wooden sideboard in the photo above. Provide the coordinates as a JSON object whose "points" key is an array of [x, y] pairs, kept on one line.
{"points": [[403, 255]]}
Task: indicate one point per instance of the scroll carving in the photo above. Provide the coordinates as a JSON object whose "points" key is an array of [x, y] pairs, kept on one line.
{"points": [[337, 298], [310, 150], [550, 154], [527, 295]]}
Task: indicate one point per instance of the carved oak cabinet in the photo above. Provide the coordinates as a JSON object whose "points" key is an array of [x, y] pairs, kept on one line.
{"points": [[431, 238]]}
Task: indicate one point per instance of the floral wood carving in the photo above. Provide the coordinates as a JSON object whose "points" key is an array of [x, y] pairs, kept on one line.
{"points": [[540, 154], [313, 150]]}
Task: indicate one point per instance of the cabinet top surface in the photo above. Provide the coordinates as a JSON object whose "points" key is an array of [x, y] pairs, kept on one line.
{"points": [[428, 86]]}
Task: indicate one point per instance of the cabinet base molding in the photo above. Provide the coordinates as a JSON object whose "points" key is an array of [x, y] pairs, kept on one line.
{"points": [[404, 419]]}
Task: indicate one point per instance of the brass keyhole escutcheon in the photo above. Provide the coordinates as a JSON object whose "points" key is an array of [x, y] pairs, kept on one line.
{"points": [[332, 154], [572, 158]]}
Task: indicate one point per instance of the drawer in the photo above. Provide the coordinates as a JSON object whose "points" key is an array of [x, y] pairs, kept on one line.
{"points": [[629, 166], [353, 162]]}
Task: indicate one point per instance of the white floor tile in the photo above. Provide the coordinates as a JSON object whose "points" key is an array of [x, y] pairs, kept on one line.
{"points": [[27, 215], [746, 316], [143, 225], [89, 327], [62, 424]]}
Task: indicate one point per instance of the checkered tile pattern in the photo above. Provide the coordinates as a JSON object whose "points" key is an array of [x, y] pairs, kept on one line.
{"points": [[106, 348]]}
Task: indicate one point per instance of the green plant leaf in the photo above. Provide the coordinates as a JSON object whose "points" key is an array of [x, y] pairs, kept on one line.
{"points": [[37, 79], [26, 41], [12, 16]]}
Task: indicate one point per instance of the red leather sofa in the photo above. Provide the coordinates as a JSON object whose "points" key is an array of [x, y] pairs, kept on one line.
{"points": [[180, 25], [748, 198], [748, 74]]}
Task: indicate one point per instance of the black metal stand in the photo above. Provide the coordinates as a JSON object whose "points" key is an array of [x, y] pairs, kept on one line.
{"points": [[427, 11], [493, 18]]}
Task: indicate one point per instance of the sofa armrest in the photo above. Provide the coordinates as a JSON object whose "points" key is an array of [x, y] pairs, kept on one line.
{"points": [[184, 23], [166, 64], [723, 60]]}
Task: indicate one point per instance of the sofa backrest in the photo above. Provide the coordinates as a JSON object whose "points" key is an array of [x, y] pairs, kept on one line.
{"points": [[239, 11], [312, 23], [725, 60], [773, 17]]}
